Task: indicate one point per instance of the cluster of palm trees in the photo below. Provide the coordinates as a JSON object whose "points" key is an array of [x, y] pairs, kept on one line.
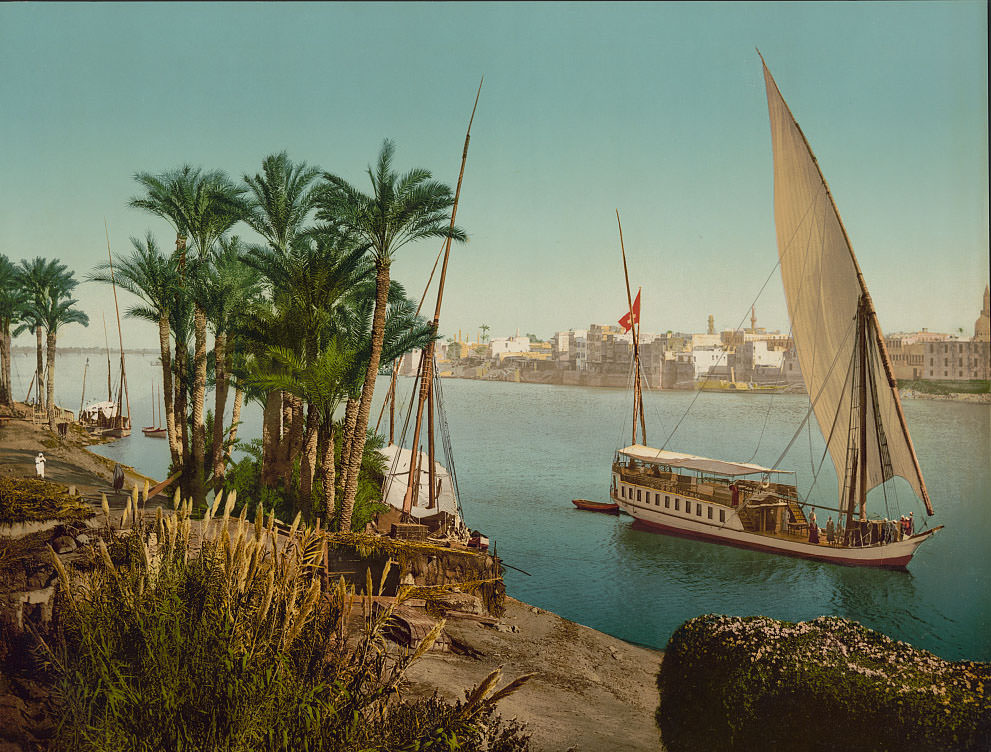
{"points": [[300, 321], [35, 296]]}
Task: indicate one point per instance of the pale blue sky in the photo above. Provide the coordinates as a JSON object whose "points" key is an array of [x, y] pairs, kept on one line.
{"points": [[657, 109]]}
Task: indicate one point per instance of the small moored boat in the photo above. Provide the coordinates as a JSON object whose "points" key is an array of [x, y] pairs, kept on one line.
{"points": [[596, 506]]}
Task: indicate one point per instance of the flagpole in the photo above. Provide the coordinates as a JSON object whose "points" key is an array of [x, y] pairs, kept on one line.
{"points": [[637, 395]]}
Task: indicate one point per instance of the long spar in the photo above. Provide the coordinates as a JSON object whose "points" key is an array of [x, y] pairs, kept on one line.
{"points": [[637, 395], [426, 383], [120, 335]]}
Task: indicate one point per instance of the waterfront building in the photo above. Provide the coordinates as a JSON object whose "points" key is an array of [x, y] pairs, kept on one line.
{"points": [[500, 347]]}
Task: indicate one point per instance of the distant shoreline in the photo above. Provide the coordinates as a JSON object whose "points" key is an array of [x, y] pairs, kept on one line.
{"points": [[526, 378]]}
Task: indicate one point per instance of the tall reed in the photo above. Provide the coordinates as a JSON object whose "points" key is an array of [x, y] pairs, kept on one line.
{"points": [[223, 634]]}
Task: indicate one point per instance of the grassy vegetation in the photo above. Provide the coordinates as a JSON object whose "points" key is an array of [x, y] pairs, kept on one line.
{"points": [[34, 499], [756, 683], [977, 386], [241, 645]]}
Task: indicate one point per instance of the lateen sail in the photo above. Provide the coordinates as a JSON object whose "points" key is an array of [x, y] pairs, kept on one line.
{"points": [[823, 286]]}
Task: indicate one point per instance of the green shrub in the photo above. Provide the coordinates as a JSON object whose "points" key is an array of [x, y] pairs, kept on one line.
{"points": [[829, 684], [236, 644]]}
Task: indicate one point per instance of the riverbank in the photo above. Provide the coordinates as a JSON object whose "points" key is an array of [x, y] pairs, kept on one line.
{"points": [[620, 381], [591, 691], [67, 460]]}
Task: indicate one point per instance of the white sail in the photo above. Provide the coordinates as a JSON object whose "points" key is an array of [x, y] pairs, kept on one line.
{"points": [[823, 286]]}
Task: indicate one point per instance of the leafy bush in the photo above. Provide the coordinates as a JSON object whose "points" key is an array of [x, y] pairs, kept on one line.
{"points": [[828, 684], [238, 644]]}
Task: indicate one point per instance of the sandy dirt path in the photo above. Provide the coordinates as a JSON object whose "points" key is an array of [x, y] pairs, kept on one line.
{"points": [[591, 691]]}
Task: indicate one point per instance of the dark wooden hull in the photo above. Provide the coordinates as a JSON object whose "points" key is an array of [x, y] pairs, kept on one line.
{"points": [[596, 506]]}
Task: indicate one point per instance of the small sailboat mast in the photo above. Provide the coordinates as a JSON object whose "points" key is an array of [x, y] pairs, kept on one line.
{"points": [[125, 423], [427, 356], [638, 410]]}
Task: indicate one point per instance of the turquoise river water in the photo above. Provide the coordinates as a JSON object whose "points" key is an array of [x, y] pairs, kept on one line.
{"points": [[522, 452]]}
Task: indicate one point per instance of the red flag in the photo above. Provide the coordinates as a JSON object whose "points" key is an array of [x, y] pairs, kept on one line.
{"points": [[626, 322]]}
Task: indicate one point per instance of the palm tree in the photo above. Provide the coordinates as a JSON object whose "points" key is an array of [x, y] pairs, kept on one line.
{"points": [[13, 298], [153, 277], [39, 277], [312, 283], [58, 311], [400, 210], [227, 287], [202, 207], [485, 332], [169, 195], [279, 201]]}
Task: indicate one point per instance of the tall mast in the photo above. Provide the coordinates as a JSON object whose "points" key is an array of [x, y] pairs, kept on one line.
{"points": [[120, 335], [110, 391], [427, 356], [637, 395], [82, 399]]}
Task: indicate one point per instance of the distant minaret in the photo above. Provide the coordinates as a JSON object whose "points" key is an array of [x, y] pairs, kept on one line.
{"points": [[712, 325], [753, 320], [982, 327]]}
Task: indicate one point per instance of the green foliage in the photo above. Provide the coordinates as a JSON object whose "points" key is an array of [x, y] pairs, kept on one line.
{"points": [[755, 683], [924, 386], [33, 499], [240, 646]]}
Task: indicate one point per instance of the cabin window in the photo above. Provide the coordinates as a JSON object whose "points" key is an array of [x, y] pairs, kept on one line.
{"points": [[622, 491], [677, 503], [722, 515], [667, 502], [646, 496], [698, 510], [688, 507], [710, 513], [657, 500], [638, 494]]}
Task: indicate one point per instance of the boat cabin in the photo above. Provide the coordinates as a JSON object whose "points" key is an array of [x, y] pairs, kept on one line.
{"points": [[737, 495]]}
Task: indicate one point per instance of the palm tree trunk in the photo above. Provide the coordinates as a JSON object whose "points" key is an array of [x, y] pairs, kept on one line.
{"points": [[328, 478], [271, 429], [350, 419], [175, 446], [181, 391], [235, 417], [199, 395], [7, 396], [367, 390], [308, 460], [41, 368], [294, 437], [220, 351], [282, 460], [50, 399]]}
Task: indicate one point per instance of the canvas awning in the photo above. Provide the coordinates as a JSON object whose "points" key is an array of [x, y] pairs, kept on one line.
{"points": [[693, 462]]}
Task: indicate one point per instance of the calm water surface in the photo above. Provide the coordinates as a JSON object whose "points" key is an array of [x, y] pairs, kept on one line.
{"points": [[522, 452]]}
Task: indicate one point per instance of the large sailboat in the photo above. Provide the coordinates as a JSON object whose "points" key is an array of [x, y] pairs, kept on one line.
{"points": [[852, 391]]}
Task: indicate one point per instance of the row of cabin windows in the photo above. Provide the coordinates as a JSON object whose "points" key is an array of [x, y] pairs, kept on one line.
{"points": [[667, 503]]}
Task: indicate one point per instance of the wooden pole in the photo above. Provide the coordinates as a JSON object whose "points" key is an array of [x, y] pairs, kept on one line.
{"points": [[637, 396], [120, 334], [110, 391], [427, 355], [82, 398], [31, 386]]}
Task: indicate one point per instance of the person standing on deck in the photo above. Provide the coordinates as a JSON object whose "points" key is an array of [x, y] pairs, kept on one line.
{"points": [[830, 530], [39, 464], [813, 529]]}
